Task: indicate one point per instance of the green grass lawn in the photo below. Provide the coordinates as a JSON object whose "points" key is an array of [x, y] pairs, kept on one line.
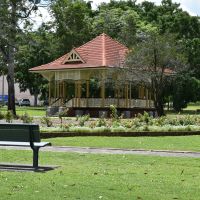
{"points": [[186, 143], [109, 177], [193, 106], [32, 111]]}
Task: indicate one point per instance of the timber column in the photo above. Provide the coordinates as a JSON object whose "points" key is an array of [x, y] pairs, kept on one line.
{"points": [[130, 95], [79, 93], [64, 92], [50, 93], [147, 97], [102, 93], [126, 95], [87, 91], [75, 95]]}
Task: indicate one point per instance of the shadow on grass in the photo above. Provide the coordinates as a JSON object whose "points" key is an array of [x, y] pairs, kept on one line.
{"points": [[25, 168]]}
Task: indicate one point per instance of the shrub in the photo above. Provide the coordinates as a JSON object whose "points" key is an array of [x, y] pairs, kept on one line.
{"points": [[136, 123], [63, 114], [93, 124], [9, 116], [83, 119], [101, 129], [118, 129], [26, 118], [145, 118], [1, 115], [114, 116], [47, 121], [160, 121], [116, 124], [101, 122], [127, 123], [80, 129]]}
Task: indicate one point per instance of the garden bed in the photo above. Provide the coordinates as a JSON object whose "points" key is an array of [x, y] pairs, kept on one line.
{"points": [[119, 134]]}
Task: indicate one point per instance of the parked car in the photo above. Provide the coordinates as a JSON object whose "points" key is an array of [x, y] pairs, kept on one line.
{"points": [[24, 102]]}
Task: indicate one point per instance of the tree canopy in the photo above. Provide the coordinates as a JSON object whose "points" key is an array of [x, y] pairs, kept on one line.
{"points": [[74, 23]]}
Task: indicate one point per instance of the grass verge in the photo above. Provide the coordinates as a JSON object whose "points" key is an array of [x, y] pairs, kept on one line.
{"points": [[32, 111], [184, 143], [89, 176]]}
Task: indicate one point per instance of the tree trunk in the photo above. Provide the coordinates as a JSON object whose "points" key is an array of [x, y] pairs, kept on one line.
{"points": [[35, 99], [160, 109], [10, 80], [158, 103]]}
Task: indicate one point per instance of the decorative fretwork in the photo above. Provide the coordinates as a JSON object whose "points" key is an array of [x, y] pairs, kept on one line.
{"points": [[72, 57]]}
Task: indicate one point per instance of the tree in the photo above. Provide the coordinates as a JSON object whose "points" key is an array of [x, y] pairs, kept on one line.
{"points": [[37, 48], [185, 89], [123, 25], [12, 13], [71, 23], [156, 60], [192, 48]]}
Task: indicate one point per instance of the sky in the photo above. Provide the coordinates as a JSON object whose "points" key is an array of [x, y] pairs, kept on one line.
{"points": [[191, 6]]}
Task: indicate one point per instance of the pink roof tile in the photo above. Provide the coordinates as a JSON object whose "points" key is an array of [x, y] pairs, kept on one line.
{"points": [[102, 51]]}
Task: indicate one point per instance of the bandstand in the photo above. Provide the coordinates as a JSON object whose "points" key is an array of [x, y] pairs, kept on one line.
{"points": [[90, 78]]}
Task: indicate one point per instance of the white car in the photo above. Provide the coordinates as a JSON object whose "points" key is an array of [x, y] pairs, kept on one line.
{"points": [[24, 102]]}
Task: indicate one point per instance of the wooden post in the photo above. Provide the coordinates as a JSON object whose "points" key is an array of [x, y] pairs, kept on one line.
{"points": [[150, 98], [79, 92], [115, 94], [75, 102], [87, 88], [58, 89], [103, 93], [126, 95], [55, 90], [118, 95], [147, 98], [50, 93], [142, 92], [64, 92], [139, 92], [130, 95], [87, 91]]}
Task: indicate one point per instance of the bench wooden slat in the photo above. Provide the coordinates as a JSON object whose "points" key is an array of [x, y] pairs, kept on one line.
{"points": [[24, 144], [19, 132]]}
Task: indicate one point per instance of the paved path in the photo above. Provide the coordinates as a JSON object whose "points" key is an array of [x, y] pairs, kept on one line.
{"points": [[113, 151]]}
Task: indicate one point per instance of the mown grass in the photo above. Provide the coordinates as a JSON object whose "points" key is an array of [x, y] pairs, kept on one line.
{"points": [[185, 143], [193, 106], [32, 111], [90, 176]]}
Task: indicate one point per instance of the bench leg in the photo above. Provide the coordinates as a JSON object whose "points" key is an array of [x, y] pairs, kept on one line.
{"points": [[35, 157]]}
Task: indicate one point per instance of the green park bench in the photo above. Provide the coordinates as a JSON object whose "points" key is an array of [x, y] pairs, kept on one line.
{"points": [[22, 135]]}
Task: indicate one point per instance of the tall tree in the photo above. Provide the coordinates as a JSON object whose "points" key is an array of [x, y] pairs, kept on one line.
{"points": [[156, 60], [37, 48], [12, 13], [123, 25], [71, 23], [185, 89]]}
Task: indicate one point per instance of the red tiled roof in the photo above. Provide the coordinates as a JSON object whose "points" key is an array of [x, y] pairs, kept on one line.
{"points": [[102, 51]]}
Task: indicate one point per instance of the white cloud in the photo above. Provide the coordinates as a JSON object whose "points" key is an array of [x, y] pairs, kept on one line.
{"points": [[42, 15], [191, 6]]}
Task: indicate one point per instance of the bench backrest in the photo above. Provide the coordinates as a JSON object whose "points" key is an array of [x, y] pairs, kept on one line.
{"points": [[19, 132]]}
